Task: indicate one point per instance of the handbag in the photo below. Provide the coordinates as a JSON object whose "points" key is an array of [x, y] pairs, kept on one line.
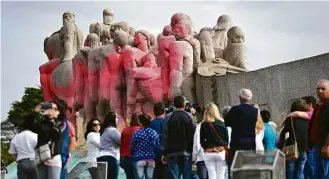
{"points": [[43, 153], [220, 139], [291, 151]]}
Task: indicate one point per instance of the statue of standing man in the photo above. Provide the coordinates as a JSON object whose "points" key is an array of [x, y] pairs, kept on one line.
{"points": [[100, 28]]}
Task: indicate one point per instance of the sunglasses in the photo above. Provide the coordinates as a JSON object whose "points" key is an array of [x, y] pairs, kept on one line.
{"points": [[96, 124]]}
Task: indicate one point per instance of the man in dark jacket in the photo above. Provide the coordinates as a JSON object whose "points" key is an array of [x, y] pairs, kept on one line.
{"points": [[177, 140], [319, 132], [242, 119]]}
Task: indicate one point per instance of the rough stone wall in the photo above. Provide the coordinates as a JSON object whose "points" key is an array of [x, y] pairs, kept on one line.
{"points": [[274, 88]]}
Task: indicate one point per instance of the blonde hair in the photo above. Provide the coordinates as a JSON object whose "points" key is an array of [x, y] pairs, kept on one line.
{"points": [[211, 113], [259, 123]]}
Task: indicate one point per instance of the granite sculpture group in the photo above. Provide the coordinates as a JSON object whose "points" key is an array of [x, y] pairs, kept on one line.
{"points": [[132, 70]]}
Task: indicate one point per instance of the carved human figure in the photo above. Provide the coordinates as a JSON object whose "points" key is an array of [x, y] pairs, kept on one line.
{"points": [[112, 74], [98, 90], [183, 63], [207, 47], [179, 52], [106, 37], [132, 31], [80, 73], [140, 65], [125, 27], [98, 28], [56, 75], [219, 37], [234, 53]]}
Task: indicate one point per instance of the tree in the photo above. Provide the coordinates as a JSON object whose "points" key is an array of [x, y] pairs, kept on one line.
{"points": [[5, 156], [8, 130], [31, 98]]}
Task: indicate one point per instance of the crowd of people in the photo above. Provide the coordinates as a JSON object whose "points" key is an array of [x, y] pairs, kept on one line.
{"points": [[43, 147], [173, 145]]}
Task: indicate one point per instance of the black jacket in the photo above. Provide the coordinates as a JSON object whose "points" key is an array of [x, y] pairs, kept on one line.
{"points": [[323, 128], [208, 136], [301, 130], [242, 119], [47, 130], [178, 133]]}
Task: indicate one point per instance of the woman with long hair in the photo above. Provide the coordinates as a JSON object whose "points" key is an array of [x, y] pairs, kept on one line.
{"points": [[125, 154], [214, 140], [297, 128], [93, 143], [144, 146], [110, 145]]}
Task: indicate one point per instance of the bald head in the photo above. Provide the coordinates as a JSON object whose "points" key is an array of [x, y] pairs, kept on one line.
{"points": [[322, 90]]}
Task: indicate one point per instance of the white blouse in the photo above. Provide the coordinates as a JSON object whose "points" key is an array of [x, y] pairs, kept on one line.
{"points": [[259, 140], [93, 144]]}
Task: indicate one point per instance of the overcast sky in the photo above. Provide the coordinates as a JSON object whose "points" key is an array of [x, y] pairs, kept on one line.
{"points": [[276, 32]]}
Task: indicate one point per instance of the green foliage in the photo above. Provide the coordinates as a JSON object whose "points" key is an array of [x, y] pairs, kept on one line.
{"points": [[5, 156], [31, 98]]}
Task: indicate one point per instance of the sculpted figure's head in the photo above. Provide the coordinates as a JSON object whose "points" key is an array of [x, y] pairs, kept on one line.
{"points": [[120, 38], [224, 22], [235, 35], [105, 37], [179, 17], [119, 25], [142, 36], [68, 17], [108, 16], [153, 40], [92, 41], [166, 30], [182, 29], [132, 31]]}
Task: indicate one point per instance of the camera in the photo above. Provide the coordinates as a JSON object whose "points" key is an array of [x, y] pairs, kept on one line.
{"points": [[189, 105], [169, 109], [187, 108], [46, 106]]}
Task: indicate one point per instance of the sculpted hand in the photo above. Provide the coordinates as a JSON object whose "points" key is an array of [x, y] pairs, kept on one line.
{"points": [[193, 111], [256, 106]]}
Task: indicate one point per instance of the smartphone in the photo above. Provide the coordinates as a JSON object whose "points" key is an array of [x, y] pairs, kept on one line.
{"points": [[46, 106]]}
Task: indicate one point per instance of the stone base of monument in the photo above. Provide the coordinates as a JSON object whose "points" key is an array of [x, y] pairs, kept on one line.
{"points": [[258, 165]]}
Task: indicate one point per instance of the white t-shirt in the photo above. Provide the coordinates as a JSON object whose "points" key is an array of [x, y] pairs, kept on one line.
{"points": [[23, 145]]}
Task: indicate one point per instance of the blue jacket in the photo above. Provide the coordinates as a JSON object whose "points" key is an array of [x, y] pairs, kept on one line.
{"points": [[157, 125], [144, 145]]}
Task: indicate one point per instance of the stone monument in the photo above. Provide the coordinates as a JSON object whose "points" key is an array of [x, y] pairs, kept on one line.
{"points": [[130, 69]]}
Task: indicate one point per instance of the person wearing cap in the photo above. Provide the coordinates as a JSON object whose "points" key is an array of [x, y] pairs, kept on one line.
{"points": [[242, 120]]}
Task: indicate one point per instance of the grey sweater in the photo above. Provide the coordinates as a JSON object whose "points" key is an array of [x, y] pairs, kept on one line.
{"points": [[110, 142]]}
